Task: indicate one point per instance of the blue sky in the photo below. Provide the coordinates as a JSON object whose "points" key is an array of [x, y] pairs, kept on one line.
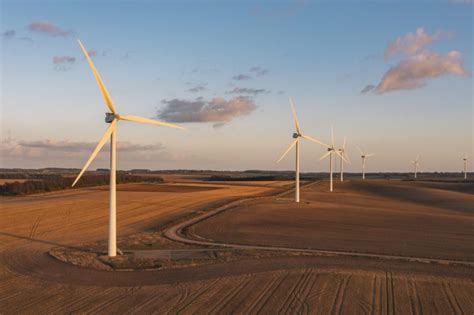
{"points": [[319, 52]]}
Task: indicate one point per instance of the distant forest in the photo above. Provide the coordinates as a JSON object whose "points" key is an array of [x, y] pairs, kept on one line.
{"points": [[39, 183]]}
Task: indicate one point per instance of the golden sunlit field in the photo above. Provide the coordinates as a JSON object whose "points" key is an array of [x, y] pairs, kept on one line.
{"points": [[393, 219]]}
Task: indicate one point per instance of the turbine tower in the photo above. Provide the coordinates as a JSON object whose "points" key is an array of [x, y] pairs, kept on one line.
{"points": [[332, 150], [363, 156], [112, 118], [416, 164], [297, 136], [343, 152], [465, 165]]}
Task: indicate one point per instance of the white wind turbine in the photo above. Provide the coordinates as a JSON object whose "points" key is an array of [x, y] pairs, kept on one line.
{"points": [[332, 150], [297, 135], [416, 164], [465, 165], [343, 152], [112, 118], [363, 156]]}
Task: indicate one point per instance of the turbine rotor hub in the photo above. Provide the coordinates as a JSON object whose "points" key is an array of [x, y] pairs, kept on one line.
{"points": [[296, 135], [109, 117]]}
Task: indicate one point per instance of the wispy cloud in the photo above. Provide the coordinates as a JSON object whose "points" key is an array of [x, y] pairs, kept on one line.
{"points": [[70, 153], [241, 77], [74, 146], [411, 43], [413, 72], [58, 60], [218, 110], [259, 71], [63, 63], [9, 34], [243, 90], [367, 89], [197, 88], [253, 71], [48, 28]]}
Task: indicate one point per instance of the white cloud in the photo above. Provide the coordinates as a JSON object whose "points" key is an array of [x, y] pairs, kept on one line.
{"points": [[411, 43], [413, 72]]}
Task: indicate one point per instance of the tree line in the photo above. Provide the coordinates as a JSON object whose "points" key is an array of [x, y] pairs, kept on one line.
{"points": [[39, 183]]}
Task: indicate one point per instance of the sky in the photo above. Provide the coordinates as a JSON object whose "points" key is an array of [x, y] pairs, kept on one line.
{"points": [[394, 77]]}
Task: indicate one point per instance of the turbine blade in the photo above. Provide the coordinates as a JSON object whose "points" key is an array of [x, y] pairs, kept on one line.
{"points": [[99, 146], [148, 121], [103, 89], [371, 154], [295, 117], [347, 157], [288, 150], [359, 149], [332, 137], [344, 143], [314, 140], [341, 156], [325, 156]]}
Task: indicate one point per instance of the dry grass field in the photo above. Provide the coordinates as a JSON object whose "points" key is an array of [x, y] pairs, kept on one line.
{"points": [[359, 217]]}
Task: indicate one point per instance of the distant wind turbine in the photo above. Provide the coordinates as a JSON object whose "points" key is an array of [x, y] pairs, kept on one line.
{"points": [[332, 150], [416, 164], [112, 118], [343, 152], [465, 165], [363, 156], [297, 136]]}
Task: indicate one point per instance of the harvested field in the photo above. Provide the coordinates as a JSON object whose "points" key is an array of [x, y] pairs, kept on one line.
{"points": [[369, 217], [32, 281], [160, 188]]}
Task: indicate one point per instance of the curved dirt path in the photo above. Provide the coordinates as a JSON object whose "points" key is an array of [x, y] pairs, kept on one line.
{"points": [[177, 233]]}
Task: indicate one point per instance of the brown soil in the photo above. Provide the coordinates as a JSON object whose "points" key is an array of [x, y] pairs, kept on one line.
{"points": [[31, 281], [372, 217], [160, 188]]}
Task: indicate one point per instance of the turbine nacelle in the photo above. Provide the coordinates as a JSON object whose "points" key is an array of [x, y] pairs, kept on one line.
{"points": [[109, 117], [296, 135]]}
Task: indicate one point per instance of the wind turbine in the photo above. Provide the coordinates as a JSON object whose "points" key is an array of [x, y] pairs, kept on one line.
{"points": [[332, 150], [465, 165], [112, 119], [416, 164], [363, 157], [342, 150], [297, 136]]}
